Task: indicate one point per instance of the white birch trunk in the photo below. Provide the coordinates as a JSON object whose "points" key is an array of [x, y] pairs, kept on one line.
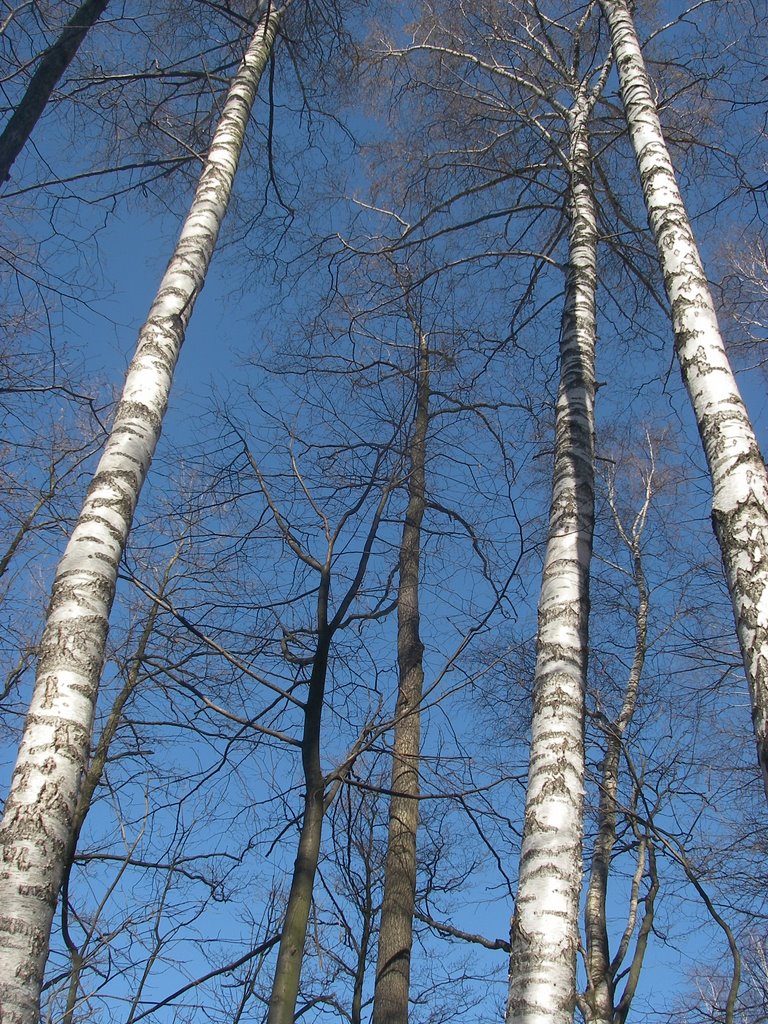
{"points": [[37, 828], [545, 926], [739, 480]]}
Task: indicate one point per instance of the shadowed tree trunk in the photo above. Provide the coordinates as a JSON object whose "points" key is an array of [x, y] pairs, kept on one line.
{"points": [[285, 985], [739, 480], [39, 820], [53, 63], [599, 1004], [393, 967]]}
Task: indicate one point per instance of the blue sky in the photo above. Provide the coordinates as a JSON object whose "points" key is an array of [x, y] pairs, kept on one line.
{"points": [[235, 311]]}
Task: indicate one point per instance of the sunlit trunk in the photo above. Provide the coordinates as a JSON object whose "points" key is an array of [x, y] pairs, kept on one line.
{"points": [[739, 480], [545, 926], [38, 824], [91, 782]]}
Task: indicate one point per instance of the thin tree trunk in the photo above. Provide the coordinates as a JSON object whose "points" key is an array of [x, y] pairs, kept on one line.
{"points": [[393, 967], [24, 528], [53, 63], [739, 479], [356, 1015], [285, 985], [545, 927], [600, 997], [37, 827]]}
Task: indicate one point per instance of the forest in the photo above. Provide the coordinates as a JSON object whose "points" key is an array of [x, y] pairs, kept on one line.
{"points": [[383, 518]]}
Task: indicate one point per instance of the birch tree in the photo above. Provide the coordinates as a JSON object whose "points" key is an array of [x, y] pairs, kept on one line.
{"points": [[501, 164], [739, 479], [38, 822], [81, 953], [544, 934]]}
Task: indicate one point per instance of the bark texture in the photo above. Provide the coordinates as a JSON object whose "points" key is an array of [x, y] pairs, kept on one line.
{"points": [[545, 928], [739, 480], [90, 785], [393, 967], [39, 820], [53, 63]]}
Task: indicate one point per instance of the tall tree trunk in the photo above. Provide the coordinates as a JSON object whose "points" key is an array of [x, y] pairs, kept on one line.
{"points": [[38, 823], [739, 479], [53, 63], [91, 782], [600, 997], [285, 985], [545, 928], [393, 967]]}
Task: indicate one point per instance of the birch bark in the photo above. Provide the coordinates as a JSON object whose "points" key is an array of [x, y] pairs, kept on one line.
{"points": [[393, 966], [39, 819], [545, 928], [739, 480], [91, 781]]}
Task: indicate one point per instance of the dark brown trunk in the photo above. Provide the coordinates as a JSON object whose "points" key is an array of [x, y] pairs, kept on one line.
{"points": [[285, 986], [54, 62], [393, 968]]}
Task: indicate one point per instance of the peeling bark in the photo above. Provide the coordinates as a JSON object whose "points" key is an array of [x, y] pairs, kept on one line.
{"points": [[91, 782], [739, 479], [39, 820], [545, 928], [393, 967]]}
